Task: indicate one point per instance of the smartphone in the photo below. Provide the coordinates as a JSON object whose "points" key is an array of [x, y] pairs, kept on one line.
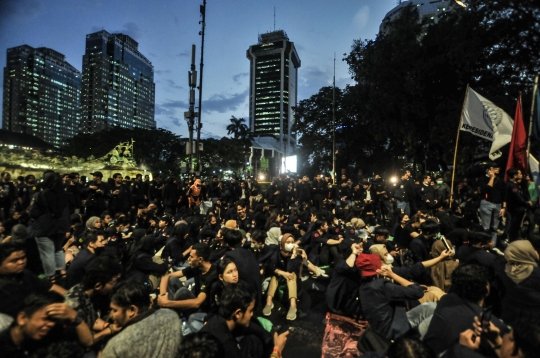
{"points": [[446, 244], [284, 328], [485, 320]]}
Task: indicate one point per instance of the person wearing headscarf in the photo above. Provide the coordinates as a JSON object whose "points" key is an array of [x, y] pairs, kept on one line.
{"points": [[441, 272], [50, 214], [272, 236], [194, 194], [521, 281]]}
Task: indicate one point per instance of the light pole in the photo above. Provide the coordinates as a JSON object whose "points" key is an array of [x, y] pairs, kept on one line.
{"points": [[334, 125], [201, 65]]}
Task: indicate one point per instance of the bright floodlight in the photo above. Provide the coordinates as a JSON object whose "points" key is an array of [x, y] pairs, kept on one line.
{"points": [[393, 180]]}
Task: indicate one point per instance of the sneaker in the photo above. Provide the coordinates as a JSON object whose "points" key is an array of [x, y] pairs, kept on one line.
{"points": [[267, 310], [291, 315]]}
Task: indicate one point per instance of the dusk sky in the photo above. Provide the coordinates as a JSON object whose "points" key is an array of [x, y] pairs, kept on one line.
{"points": [[165, 30]]}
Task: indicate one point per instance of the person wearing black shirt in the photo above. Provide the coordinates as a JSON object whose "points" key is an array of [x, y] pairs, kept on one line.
{"points": [[7, 195], [173, 295], [235, 313], [94, 244], [425, 194], [516, 203], [493, 204], [97, 193]]}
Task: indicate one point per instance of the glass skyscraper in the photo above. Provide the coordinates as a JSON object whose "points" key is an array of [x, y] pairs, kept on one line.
{"points": [[41, 94], [273, 87], [118, 84]]}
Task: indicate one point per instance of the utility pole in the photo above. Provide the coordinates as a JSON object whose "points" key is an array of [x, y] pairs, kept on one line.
{"points": [[191, 114], [201, 65], [334, 125]]}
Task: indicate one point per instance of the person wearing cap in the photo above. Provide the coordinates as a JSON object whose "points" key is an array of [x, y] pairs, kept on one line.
{"points": [[493, 204], [97, 193], [383, 301], [163, 231]]}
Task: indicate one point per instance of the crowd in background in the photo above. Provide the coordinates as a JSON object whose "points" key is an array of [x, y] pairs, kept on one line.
{"points": [[187, 267]]}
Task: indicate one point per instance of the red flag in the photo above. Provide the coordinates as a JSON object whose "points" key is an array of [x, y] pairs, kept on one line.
{"points": [[517, 156]]}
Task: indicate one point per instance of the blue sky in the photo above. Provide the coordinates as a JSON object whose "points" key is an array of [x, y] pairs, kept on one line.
{"points": [[165, 30]]}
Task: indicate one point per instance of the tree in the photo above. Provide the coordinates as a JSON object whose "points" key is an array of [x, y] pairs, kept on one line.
{"points": [[237, 128]]}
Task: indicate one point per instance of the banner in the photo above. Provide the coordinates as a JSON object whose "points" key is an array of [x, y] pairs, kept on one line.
{"points": [[517, 155], [484, 119], [536, 116]]}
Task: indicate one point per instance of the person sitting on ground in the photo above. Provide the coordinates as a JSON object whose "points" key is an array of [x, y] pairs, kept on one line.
{"points": [[263, 253], [99, 278], [342, 294], [145, 332], [416, 272], [287, 263], [200, 345], [235, 312], [94, 244], [248, 267], [421, 245], [44, 324], [523, 341], [16, 282], [521, 281], [383, 301], [141, 264], [178, 247], [441, 272], [173, 295], [456, 310]]}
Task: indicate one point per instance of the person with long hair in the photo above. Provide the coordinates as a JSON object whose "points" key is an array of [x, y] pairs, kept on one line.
{"points": [[288, 269]]}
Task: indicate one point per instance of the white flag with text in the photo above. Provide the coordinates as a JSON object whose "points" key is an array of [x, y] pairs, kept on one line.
{"points": [[484, 119]]}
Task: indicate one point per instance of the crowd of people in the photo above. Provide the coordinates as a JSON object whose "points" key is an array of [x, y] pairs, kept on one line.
{"points": [[184, 267]]}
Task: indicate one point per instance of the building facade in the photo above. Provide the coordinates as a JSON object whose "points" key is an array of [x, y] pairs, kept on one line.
{"points": [[428, 11], [273, 93], [118, 84], [41, 94]]}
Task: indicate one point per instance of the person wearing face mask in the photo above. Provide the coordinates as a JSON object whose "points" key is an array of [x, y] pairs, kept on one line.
{"points": [[287, 265], [416, 272], [442, 191], [94, 245]]}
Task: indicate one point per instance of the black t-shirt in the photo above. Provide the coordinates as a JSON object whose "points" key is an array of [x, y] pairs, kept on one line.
{"points": [[218, 327], [405, 238], [14, 289], [77, 269], [203, 283]]}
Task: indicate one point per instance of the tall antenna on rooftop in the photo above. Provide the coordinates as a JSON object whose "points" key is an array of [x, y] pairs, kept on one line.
{"points": [[274, 18]]}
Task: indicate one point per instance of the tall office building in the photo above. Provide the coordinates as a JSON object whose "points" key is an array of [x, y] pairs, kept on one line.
{"points": [[273, 88], [428, 11], [41, 94], [118, 84]]}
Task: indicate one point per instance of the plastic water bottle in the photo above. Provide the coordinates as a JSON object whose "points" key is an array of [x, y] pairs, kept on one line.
{"points": [[185, 327]]}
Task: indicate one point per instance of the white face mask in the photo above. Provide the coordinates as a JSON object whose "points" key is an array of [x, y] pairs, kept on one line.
{"points": [[289, 247], [389, 259]]}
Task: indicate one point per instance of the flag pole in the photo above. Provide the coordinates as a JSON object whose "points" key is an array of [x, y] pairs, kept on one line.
{"points": [[457, 141], [531, 118]]}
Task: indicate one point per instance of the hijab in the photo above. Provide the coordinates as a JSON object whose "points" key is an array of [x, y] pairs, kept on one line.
{"points": [[378, 250], [521, 260], [442, 271], [196, 190], [272, 236], [90, 223]]}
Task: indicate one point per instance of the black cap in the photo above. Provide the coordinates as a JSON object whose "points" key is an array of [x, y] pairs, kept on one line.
{"points": [[97, 174]]}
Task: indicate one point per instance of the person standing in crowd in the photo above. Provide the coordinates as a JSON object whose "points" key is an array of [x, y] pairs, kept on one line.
{"points": [[121, 200], [516, 203], [8, 195], [96, 195], [492, 204], [49, 211]]}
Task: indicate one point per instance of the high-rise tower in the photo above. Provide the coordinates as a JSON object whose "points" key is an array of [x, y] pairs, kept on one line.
{"points": [[273, 88], [41, 94], [118, 84]]}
